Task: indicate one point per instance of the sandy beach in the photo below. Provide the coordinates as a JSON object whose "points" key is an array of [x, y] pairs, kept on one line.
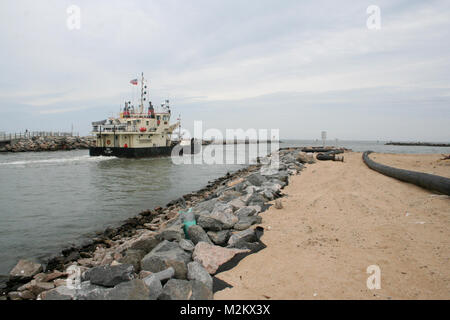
{"points": [[338, 219]]}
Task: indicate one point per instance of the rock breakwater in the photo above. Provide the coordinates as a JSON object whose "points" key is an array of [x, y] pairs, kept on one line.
{"points": [[48, 144], [153, 256]]}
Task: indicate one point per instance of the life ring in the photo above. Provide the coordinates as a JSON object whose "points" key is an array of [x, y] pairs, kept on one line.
{"points": [[143, 129], [158, 122], [108, 141]]}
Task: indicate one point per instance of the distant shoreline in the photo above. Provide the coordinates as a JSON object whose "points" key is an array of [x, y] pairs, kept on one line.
{"points": [[419, 144]]}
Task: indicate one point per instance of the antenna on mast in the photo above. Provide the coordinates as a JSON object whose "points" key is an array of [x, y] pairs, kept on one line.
{"points": [[141, 108]]}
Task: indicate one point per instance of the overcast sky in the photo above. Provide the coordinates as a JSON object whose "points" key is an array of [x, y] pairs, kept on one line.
{"points": [[300, 66]]}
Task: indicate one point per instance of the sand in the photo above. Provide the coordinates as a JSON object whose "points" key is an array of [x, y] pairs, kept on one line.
{"points": [[340, 218]]}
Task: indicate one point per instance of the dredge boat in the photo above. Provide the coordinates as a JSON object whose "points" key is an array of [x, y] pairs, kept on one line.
{"points": [[136, 132]]}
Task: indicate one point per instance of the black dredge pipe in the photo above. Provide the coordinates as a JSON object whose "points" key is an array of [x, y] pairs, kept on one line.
{"points": [[424, 180]]}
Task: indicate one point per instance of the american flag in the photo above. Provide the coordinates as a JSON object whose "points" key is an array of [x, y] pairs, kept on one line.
{"points": [[134, 82]]}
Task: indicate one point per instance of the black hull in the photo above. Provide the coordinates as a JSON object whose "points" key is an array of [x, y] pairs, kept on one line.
{"points": [[130, 152]]}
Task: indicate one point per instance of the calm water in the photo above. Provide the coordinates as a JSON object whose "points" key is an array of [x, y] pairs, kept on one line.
{"points": [[50, 200]]}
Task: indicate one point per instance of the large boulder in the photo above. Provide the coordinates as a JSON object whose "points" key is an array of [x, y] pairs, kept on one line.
{"points": [[219, 237], [222, 207], [229, 195], [146, 244], [246, 222], [134, 258], [211, 257], [245, 212], [89, 291], [255, 199], [209, 223], [59, 293], [223, 212], [176, 289], [248, 235], [197, 234], [186, 245], [25, 270], [167, 254], [201, 291], [110, 276], [207, 206], [237, 204], [197, 272], [154, 285], [256, 179], [135, 289], [268, 194], [172, 233]]}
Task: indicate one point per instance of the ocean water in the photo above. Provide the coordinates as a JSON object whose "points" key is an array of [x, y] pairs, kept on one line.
{"points": [[50, 200]]}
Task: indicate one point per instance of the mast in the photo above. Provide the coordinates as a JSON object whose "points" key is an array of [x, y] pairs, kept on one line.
{"points": [[141, 108]]}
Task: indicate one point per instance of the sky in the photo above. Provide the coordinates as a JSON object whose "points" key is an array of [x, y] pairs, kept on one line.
{"points": [[302, 67]]}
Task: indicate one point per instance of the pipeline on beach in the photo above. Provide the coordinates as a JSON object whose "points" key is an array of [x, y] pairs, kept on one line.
{"points": [[424, 180]]}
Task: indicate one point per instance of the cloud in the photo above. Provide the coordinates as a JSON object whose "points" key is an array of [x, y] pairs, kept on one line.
{"points": [[301, 59]]}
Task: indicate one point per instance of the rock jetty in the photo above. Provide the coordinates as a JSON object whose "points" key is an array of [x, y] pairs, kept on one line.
{"points": [[48, 144], [152, 256]]}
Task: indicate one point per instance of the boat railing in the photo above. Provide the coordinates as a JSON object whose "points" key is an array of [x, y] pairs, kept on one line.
{"points": [[120, 128]]}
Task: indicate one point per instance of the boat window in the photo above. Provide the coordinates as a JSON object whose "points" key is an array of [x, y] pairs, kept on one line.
{"points": [[158, 117], [147, 122]]}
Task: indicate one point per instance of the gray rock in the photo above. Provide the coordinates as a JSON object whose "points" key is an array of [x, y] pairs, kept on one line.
{"points": [[272, 186], [134, 258], [146, 245], [88, 291], [237, 204], [210, 223], [246, 222], [229, 195], [167, 254], [165, 274], [248, 235], [25, 270], [257, 208], [186, 245], [154, 285], [207, 205], [135, 289], [109, 276], [197, 234], [176, 289], [59, 293], [219, 237], [268, 194], [186, 290], [240, 187], [289, 158], [201, 291], [197, 272], [173, 233], [256, 199], [221, 207], [256, 179], [283, 176], [245, 212]]}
